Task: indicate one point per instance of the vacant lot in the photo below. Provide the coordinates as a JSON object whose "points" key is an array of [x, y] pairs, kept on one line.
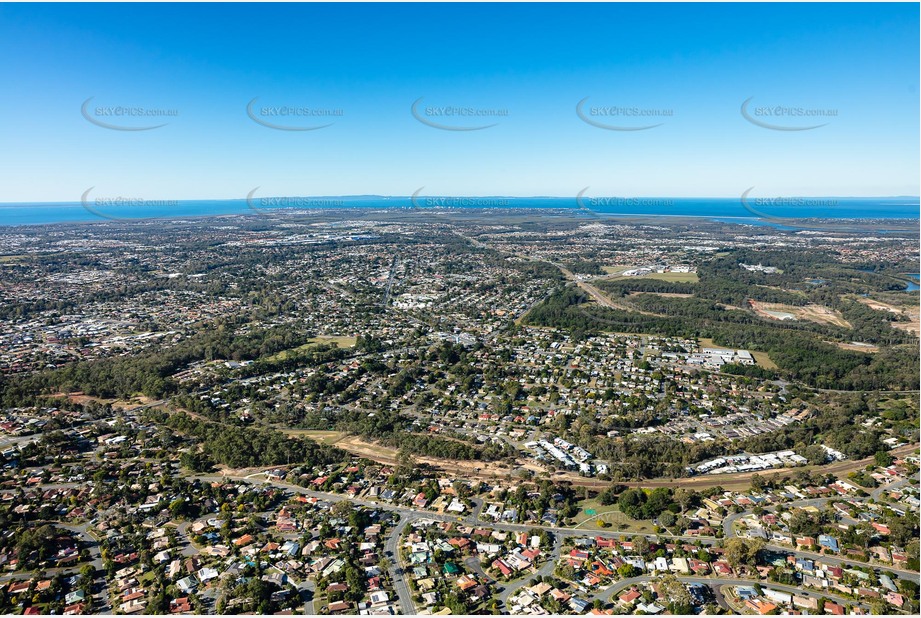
{"points": [[134, 402], [810, 313], [592, 511], [857, 346], [913, 312], [483, 470], [323, 437], [680, 277], [663, 294]]}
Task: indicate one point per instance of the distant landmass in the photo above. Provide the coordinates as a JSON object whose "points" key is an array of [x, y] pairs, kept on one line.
{"points": [[901, 207]]}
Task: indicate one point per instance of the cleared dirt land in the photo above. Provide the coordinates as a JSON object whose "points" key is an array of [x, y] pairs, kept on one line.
{"points": [[605, 301], [913, 313], [120, 404], [323, 437], [857, 346], [484, 470], [488, 471], [811, 313], [663, 294]]}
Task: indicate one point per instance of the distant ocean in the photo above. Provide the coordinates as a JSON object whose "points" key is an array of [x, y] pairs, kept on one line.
{"points": [[723, 209]]}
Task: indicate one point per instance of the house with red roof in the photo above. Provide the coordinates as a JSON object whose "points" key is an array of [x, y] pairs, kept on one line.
{"points": [[760, 607], [505, 569], [531, 554], [605, 543], [598, 568], [628, 598]]}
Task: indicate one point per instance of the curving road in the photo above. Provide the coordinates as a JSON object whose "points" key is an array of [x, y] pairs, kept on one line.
{"points": [[713, 583], [409, 513], [547, 569], [397, 571]]}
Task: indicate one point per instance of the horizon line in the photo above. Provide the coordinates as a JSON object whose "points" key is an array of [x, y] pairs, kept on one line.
{"points": [[449, 195]]}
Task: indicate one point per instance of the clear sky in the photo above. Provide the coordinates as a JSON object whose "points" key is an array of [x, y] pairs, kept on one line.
{"points": [[372, 62]]}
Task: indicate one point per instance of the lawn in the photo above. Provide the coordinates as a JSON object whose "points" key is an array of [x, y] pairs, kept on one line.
{"points": [[339, 342], [763, 359], [147, 578], [611, 515], [679, 277]]}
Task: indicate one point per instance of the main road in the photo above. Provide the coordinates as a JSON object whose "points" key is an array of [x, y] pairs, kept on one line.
{"points": [[608, 594], [408, 514]]}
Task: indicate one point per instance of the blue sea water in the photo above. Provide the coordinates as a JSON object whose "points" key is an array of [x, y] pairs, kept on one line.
{"points": [[723, 209]]}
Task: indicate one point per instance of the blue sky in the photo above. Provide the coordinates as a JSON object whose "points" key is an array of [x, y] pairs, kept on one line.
{"points": [[699, 62]]}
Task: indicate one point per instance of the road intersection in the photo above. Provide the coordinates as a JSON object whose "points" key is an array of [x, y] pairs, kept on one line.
{"points": [[410, 515]]}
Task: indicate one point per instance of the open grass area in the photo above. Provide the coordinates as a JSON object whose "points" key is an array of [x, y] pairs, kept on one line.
{"points": [[680, 277], [890, 402], [339, 342], [763, 360], [609, 515], [147, 578], [363, 448]]}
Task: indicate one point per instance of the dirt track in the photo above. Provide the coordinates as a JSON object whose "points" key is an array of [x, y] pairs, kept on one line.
{"points": [[484, 470], [913, 325], [491, 471]]}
